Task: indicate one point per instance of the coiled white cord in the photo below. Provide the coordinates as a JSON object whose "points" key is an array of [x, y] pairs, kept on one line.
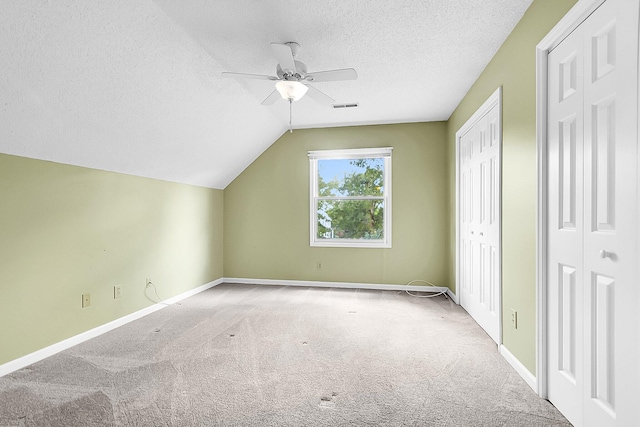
{"points": [[437, 294], [155, 291]]}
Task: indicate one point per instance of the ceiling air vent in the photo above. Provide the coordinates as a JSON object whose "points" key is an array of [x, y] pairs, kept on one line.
{"points": [[352, 105]]}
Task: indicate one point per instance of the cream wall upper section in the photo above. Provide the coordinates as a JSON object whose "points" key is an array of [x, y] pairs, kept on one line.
{"points": [[267, 210], [66, 230]]}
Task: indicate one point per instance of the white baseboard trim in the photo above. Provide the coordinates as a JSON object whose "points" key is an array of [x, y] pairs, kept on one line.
{"points": [[43, 353], [526, 375], [344, 285]]}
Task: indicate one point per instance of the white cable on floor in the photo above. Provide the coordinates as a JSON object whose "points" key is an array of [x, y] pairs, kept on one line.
{"points": [[426, 296]]}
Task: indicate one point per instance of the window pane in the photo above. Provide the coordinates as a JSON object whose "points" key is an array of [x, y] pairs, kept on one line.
{"points": [[351, 219], [354, 177]]}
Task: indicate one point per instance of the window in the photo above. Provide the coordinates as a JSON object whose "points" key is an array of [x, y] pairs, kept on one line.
{"points": [[351, 197]]}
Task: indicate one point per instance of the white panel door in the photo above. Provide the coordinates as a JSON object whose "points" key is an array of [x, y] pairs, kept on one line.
{"points": [[479, 216], [566, 223], [592, 254]]}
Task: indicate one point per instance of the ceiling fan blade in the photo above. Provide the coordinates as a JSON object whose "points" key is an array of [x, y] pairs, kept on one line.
{"points": [[319, 97], [272, 98], [284, 55], [248, 76], [333, 75]]}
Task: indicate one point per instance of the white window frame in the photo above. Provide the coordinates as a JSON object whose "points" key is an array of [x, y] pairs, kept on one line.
{"points": [[356, 153]]}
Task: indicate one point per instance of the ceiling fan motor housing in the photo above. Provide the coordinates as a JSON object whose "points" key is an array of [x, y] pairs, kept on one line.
{"points": [[299, 75]]}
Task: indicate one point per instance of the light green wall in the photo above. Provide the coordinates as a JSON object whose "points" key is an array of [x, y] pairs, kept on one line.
{"points": [[267, 210], [514, 67], [66, 230]]}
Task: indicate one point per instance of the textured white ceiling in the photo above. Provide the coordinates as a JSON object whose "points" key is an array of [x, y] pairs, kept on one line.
{"points": [[135, 87]]}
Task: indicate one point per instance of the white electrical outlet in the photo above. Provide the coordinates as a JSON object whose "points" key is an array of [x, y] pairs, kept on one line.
{"points": [[86, 300], [117, 291], [514, 319]]}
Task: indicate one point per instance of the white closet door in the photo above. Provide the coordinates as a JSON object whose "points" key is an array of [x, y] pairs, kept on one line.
{"points": [[479, 165], [566, 223], [612, 391], [592, 266]]}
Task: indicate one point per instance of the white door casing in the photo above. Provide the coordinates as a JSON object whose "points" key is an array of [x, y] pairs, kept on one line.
{"points": [[589, 256], [478, 153]]}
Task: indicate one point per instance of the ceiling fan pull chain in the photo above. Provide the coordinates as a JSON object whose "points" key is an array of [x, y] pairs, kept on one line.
{"points": [[290, 107]]}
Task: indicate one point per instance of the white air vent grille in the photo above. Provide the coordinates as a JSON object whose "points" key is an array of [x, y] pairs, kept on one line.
{"points": [[352, 105]]}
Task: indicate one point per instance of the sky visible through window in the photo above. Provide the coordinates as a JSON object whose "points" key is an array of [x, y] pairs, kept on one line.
{"points": [[337, 168]]}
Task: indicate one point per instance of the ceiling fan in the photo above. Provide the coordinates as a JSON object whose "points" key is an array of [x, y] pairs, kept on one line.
{"points": [[292, 77]]}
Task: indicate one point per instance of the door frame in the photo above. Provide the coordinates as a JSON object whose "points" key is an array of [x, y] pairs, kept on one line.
{"points": [[563, 28], [495, 99]]}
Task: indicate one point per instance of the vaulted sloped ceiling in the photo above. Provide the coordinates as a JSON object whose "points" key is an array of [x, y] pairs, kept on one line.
{"points": [[135, 86]]}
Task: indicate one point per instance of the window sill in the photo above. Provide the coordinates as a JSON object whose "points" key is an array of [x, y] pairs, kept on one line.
{"points": [[350, 244]]}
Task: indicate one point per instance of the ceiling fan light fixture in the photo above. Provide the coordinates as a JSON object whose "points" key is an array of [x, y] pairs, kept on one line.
{"points": [[291, 89]]}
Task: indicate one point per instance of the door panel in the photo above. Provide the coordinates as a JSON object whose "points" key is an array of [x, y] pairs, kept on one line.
{"points": [[565, 238], [610, 253], [567, 174], [603, 372], [567, 321], [603, 165]]}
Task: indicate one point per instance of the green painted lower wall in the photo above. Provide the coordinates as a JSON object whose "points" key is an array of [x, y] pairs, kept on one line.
{"points": [[267, 210], [66, 230], [514, 67]]}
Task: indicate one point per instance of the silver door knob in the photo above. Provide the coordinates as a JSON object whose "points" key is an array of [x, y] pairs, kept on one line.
{"points": [[605, 254]]}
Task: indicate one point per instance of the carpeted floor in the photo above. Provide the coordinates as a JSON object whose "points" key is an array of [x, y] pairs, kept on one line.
{"points": [[241, 355]]}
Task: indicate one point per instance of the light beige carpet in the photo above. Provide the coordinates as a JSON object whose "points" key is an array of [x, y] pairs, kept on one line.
{"points": [[240, 355]]}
